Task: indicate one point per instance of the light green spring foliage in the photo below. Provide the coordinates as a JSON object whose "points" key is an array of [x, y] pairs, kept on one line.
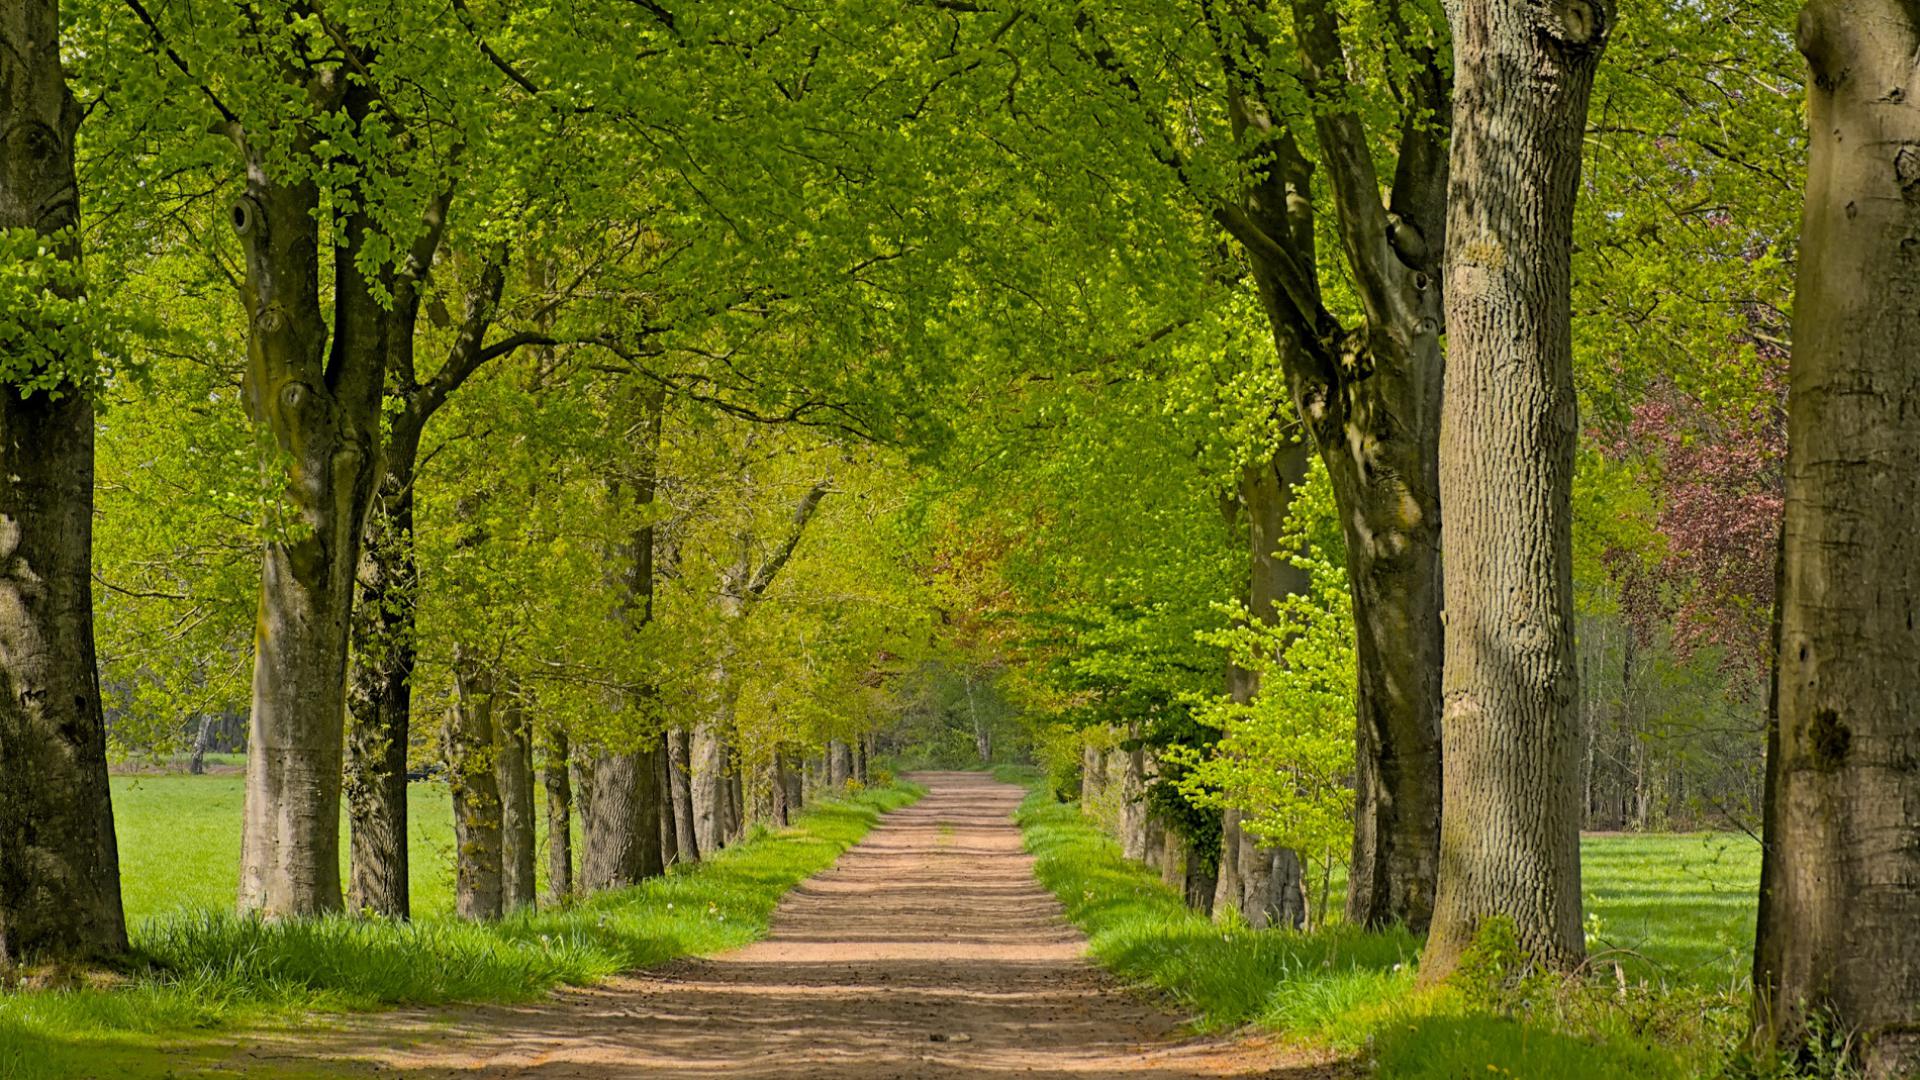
{"points": [[1285, 758]]}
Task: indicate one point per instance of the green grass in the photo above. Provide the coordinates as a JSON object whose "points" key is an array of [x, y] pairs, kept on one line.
{"points": [[1677, 902], [1673, 908], [210, 970], [180, 843]]}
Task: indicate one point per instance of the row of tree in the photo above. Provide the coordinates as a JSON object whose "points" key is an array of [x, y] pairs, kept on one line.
{"points": [[1042, 274]]}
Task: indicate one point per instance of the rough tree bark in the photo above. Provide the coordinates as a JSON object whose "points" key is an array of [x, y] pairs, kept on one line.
{"points": [[559, 816], [317, 407], [787, 789], [793, 781], [1510, 826], [620, 821], [736, 798], [839, 766], [708, 788], [513, 769], [380, 687], [621, 825], [663, 785], [1840, 877], [471, 747], [1133, 800], [680, 755], [59, 864]]}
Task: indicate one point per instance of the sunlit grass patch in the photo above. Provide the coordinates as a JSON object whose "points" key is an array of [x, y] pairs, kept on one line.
{"points": [[1670, 1011]]}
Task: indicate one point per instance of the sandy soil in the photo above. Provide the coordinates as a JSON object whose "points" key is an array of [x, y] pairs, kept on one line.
{"points": [[928, 950]]}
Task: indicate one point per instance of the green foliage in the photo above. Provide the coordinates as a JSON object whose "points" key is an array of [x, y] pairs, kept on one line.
{"points": [[47, 326], [1285, 757]]}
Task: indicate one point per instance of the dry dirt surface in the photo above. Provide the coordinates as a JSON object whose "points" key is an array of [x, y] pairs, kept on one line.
{"points": [[927, 951]]}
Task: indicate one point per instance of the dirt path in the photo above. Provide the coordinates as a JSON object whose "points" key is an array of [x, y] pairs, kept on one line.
{"points": [[928, 950]]}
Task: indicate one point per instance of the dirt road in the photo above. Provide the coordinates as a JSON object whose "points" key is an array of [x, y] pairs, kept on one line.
{"points": [[927, 951]]}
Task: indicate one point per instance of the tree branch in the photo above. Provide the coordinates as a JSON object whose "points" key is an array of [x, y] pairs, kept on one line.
{"points": [[802, 513]]}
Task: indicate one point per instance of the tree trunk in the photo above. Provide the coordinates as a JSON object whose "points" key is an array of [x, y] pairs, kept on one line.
{"points": [[1840, 877], [1093, 775], [736, 801], [1510, 827], [860, 760], [663, 785], [1229, 884], [514, 768], [782, 806], [380, 688], [1133, 804], [202, 742], [709, 789], [1286, 889], [472, 749], [1371, 401], [380, 702], [795, 782], [839, 767], [680, 751], [559, 817], [59, 863], [982, 735], [321, 413], [620, 825]]}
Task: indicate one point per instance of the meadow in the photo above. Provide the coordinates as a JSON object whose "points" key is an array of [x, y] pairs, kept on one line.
{"points": [[200, 971], [1670, 932]]}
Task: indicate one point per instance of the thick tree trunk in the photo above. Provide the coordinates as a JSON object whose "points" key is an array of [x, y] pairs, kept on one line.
{"points": [[1093, 775], [795, 782], [380, 703], [1133, 803], [514, 769], [680, 752], [1286, 889], [709, 789], [321, 413], [781, 807], [1840, 878], [860, 760], [1510, 827], [663, 786], [1370, 400], [472, 749], [1229, 883], [620, 823], [380, 688], [736, 798], [839, 766], [559, 817], [59, 864]]}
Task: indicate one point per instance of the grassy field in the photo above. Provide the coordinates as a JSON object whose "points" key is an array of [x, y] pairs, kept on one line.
{"points": [[207, 970], [180, 843], [1676, 912]]}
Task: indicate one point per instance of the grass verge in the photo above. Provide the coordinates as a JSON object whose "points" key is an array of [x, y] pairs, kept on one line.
{"points": [[1354, 990], [206, 971]]}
